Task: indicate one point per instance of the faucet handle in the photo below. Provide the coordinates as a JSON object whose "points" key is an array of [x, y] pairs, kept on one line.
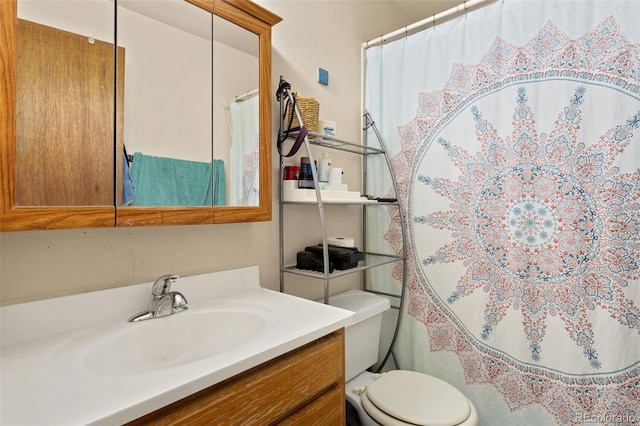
{"points": [[162, 285], [179, 302]]}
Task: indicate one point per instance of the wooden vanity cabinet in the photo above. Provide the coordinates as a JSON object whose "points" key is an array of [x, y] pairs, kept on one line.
{"points": [[302, 387]]}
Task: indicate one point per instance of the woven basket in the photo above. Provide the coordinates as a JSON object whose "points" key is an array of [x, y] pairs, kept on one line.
{"points": [[309, 110]]}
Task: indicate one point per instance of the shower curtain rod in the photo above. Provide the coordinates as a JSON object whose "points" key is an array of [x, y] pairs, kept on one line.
{"points": [[246, 96], [431, 20]]}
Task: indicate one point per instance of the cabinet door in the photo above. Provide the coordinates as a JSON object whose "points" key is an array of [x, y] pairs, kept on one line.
{"points": [[327, 410], [64, 123], [306, 383], [40, 177]]}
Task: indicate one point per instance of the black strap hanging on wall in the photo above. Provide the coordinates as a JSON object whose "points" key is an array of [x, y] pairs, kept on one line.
{"points": [[283, 90]]}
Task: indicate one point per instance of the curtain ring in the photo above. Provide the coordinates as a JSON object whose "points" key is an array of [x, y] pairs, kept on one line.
{"points": [[433, 21]]}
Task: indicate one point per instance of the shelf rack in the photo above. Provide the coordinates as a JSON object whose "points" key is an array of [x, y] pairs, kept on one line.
{"points": [[371, 260]]}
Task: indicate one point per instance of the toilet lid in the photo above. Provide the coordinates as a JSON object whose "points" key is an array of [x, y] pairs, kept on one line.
{"points": [[418, 399]]}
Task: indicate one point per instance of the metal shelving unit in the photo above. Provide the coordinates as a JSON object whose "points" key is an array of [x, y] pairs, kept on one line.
{"points": [[340, 145], [371, 260]]}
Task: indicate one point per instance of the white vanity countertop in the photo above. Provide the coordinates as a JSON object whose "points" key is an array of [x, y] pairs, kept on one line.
{"points": [[38, 388]]}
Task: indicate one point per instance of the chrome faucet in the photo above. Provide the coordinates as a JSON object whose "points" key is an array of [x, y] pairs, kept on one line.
{"points": [[163, 301]]}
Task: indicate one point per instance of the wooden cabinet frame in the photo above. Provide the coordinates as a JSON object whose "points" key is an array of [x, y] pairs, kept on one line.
{"points": [[244, 13]]}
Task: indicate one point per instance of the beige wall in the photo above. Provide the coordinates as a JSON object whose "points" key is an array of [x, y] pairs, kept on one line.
{"points": [[42, 264]]}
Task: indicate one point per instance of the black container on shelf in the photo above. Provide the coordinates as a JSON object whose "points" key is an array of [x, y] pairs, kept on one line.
{"points": [[306, 176], [312, 261], [341, 257]]}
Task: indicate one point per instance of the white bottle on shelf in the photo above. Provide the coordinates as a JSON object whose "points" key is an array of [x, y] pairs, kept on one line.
{"points": [[323, 168]]}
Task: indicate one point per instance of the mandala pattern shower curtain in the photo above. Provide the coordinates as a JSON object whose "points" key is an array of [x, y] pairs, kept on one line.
{"points": [[515, 135]]}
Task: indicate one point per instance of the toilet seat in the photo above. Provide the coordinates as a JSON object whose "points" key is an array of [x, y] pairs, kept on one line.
{"points": [[401, 398]]}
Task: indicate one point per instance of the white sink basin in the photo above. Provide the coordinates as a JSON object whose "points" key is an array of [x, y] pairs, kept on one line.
{"points": [[76, 360], [131, 348]]}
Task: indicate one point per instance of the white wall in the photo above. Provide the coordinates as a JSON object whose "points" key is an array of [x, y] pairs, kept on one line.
{"points": [[40, 264]]}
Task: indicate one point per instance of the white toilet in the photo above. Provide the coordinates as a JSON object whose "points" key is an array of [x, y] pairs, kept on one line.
{"points": [[398, 397]]}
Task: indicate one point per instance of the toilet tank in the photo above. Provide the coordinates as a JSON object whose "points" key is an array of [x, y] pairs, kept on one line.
{"points": [[362, 338]]}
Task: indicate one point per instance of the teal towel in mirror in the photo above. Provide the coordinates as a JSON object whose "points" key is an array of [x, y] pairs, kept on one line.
{"points": [[161, 181], [219, 184]]}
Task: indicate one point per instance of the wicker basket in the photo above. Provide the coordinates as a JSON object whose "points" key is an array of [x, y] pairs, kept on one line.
{"points": [[309, 110]]}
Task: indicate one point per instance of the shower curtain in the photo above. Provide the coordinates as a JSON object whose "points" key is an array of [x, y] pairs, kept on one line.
{"points": [[515, 140], [245, 152]]}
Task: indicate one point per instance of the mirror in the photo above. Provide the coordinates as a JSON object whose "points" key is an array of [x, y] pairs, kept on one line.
{"points": [[237, 101], [167, 103], [144, 118], [194, 140]]}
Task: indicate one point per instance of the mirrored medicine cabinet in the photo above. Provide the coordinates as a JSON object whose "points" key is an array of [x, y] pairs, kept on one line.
{"points": [[134, 112]]}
